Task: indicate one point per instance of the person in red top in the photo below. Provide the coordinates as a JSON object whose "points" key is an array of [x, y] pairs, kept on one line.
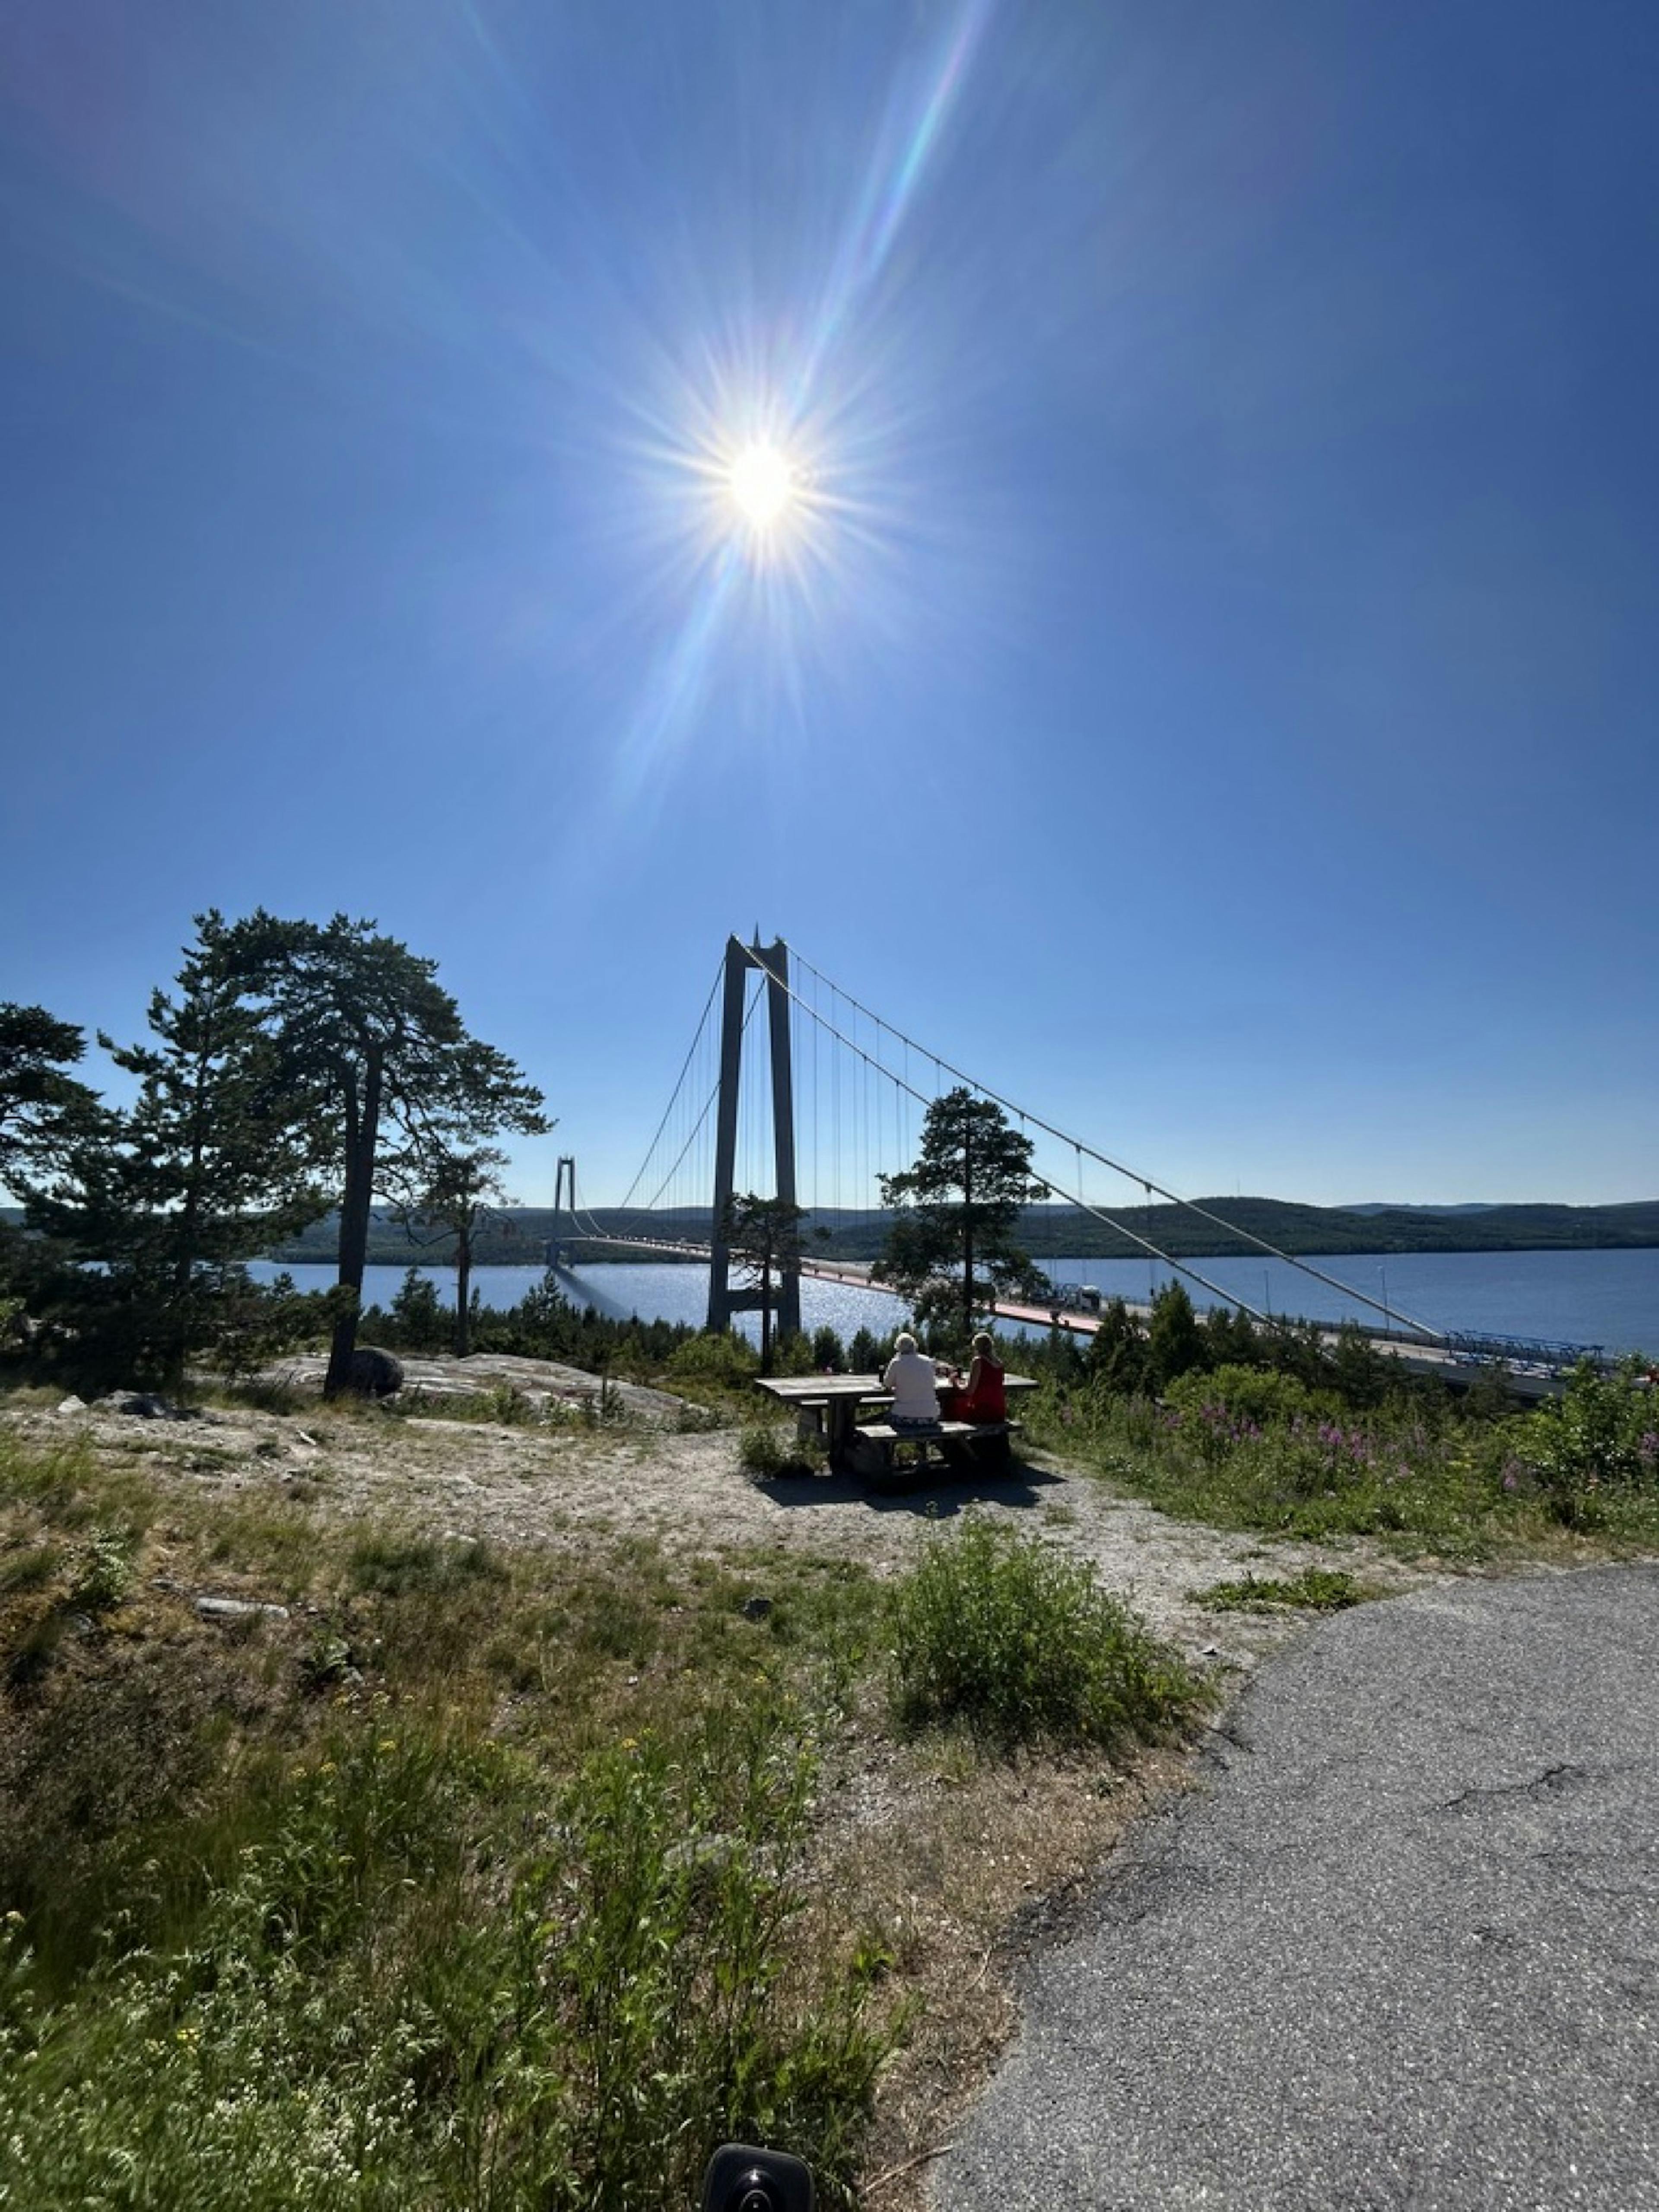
{"points": [[983, 1397]]}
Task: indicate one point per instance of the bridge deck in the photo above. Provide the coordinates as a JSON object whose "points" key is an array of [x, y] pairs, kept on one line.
{"points": [[1417, 1354]]}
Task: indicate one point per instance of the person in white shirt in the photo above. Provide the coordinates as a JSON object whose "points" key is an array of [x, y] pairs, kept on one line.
{"points": [[914, 1381]]}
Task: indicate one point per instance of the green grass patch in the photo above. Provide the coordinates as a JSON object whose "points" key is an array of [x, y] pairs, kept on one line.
{"points": [[1016, 1642], [402, 1566], [485, 1881], [1244, 1448], [1316, 1590]]}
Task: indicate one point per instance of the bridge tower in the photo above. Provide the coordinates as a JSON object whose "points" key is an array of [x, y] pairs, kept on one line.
{"points": [[773, 962], [555, 1243]]}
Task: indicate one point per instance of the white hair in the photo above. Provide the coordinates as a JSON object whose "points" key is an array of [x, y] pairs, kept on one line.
{"points": [[904, 1341]]}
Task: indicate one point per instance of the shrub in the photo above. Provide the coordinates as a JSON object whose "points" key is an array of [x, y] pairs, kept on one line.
{"points": [[418, 1321], [1175, 1342], [1020, 1643], [1117, 1356], [864, 1354], [722, 1360], [792, 1354], [766, 1449], [1600, 1437], [1260, 1394], [102, 1573]]}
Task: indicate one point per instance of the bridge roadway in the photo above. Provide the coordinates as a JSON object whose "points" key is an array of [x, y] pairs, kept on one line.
{"points": [[1417, 1354]]}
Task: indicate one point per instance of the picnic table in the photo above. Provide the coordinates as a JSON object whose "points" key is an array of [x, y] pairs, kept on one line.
{"points": [[828, 1406]]}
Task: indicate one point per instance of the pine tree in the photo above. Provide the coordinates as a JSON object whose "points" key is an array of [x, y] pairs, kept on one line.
{"points": [[212, 1161], [957, 1209], [455, 1195], [44, 1111], [366, 1032], [223, 1155], [761, 1236]]}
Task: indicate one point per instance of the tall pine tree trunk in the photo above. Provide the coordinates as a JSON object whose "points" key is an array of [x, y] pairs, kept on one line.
{"points": [[362, 1129], [967, 1229], [463, 1291]]}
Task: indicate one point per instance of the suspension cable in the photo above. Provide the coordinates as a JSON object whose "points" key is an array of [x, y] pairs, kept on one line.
{"points": [[674, 1095], [1131, 1175]]}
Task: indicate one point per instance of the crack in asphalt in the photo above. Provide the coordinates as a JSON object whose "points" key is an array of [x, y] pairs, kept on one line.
{"points": [[1562, 1777]]}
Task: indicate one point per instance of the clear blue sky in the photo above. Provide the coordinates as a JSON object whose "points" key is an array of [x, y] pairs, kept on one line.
{"points": [[1205, 680]]}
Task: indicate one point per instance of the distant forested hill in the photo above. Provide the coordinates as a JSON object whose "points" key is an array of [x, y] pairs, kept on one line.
{"points": [[519, 1239]]}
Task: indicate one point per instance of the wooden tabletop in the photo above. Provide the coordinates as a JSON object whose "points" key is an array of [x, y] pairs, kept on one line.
{"points": [[803, 1389], [816, 1389]]}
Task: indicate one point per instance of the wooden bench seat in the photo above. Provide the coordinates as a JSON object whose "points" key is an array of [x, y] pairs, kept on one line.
{"points": [[875, 1445]]}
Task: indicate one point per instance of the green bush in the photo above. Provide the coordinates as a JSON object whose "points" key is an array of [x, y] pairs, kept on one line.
{"points": [[418, 1320], [1175, 1342], [1595, 1447], [767, 1448], [722, 1360], [829, 1352], [1019, 1642], [1260, 1394], [102, 1572], [866, 1354]]}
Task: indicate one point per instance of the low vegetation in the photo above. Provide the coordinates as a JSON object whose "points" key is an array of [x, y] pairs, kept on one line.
{"points": [[1248, 1446], [1316, 1590], [1018, 1642], [479, 1877]]}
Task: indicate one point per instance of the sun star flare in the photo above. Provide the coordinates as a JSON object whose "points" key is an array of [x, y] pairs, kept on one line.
{"points": [[763, 485]]}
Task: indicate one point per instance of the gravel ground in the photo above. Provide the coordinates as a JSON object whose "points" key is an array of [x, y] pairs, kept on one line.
{"points": [[567, 1478]]}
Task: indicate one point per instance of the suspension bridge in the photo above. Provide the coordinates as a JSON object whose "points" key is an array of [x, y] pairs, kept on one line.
{"points": [[793, 1088]]}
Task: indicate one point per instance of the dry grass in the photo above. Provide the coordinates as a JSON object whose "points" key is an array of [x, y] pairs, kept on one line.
{"points": [[979, 1862], [935, 1862]]}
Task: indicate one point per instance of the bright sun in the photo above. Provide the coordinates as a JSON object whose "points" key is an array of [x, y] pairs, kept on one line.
{"points": [[762, 484]]}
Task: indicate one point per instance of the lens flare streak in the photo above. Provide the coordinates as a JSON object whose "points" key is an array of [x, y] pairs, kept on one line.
{"points": [[762, 497]]}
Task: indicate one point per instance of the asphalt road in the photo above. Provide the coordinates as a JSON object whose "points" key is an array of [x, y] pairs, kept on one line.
{"points": [[1398, 1949]]}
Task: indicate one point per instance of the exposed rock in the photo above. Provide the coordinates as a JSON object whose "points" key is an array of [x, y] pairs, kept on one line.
{"points": [[147, 1405], [236, 1609], [73, 1405], [553, 1390]]}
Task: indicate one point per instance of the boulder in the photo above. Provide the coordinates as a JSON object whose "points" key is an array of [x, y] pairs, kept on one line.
{"points": [[374, 1373], [237, 1608], [146, 1405]]}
